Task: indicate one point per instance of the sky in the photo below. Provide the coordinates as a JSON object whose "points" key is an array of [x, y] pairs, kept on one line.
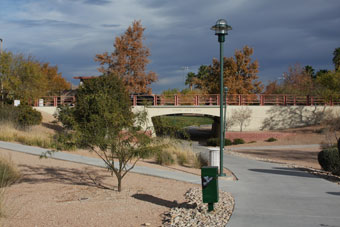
{"points": [[69, 33]]}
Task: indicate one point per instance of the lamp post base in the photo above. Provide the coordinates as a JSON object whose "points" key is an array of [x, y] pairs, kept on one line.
{"points": [[210, 207]]}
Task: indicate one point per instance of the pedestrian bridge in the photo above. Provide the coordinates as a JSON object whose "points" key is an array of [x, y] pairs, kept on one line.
{"points": [[267, 112]]}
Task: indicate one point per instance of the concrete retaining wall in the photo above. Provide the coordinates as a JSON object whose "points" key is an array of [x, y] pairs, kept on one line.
{"points": [[262, 117]]}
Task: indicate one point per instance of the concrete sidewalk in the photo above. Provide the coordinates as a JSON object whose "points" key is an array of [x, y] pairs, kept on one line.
{"points": [[266, 194], [176, 175]]}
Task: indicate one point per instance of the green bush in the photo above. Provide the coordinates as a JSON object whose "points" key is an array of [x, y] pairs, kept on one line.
{"points": [[238, 141], [329, 160], [8, 113], [8, 172], [27, 116], [228, 142], [164, 158], [22, 116], [214, 142], [271, 139]]}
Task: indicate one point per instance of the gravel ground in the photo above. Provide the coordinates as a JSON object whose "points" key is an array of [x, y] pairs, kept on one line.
{"points": [[58, 193]]}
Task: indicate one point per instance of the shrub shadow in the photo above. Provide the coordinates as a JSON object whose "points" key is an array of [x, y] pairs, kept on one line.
{"points": [[293, 117], [71, 176], [163, 202]]}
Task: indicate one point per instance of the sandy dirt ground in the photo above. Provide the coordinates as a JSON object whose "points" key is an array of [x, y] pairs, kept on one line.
{"points": [[304, 157], [58, 193]]}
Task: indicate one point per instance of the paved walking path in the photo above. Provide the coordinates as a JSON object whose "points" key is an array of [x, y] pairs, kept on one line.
{"points": [[266, 194]]}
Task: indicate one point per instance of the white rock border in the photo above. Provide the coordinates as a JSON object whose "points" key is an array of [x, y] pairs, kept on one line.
{"points": [[195, 212]]}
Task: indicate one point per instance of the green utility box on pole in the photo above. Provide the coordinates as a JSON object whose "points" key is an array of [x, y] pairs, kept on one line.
{"points": [[209, 175]]}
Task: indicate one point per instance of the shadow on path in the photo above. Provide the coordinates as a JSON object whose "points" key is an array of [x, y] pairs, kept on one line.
{"points": [[284, 171], [163, 202], [334, 193]]}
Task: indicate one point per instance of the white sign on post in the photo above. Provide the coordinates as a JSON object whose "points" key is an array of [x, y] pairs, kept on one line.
{"points": [[16, 102]]}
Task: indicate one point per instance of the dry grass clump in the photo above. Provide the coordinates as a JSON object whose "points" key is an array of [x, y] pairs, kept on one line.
{"points": [[34, 136], [177, 152], [9, 174]]}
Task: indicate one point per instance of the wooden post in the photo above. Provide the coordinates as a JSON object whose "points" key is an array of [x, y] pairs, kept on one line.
{"points": [[135, 100], [196, 100], [155, 100]]}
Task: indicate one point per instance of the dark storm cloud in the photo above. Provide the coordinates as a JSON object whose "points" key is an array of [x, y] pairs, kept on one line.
{"points": [[50, 23], [110, 25], [178, 33], [97, 2]]}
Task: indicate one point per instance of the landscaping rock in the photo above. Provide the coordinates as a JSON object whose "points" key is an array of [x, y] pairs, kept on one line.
{"points": [[195, 212]]}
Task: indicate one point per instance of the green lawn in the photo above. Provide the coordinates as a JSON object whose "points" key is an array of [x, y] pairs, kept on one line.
{"points": [[185, 121]]}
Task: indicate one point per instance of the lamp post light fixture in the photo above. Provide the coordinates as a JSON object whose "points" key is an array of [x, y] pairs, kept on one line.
{"points": [[221, 29]]}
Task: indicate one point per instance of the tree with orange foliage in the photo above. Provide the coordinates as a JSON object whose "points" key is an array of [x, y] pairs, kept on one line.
{"points": [[129, 60], [56, 83], [240, 74]]}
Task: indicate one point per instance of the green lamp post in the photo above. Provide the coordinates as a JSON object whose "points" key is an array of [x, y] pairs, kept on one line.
{"points": [[221, 29]]}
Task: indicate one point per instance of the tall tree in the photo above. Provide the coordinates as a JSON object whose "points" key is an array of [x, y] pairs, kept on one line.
{"points": [[27, 79], [310, 71], [240, 74], [296, 81], [328, 85], [56, 83], [190, 80], [273, 87], [129, 60], [336, 58]]}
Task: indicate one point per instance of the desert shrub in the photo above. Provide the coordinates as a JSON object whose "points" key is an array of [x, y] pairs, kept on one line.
{"points": [[182, 158], [199, 161], [238, 141], [8, 172], [271, 139], [164, 158], [329, 160], [27, 116], [65, 141], [8, 113], [214, 142], [228, 142]]}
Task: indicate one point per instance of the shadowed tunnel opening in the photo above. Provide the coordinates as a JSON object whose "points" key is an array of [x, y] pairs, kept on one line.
{"points": [[185, 126]]}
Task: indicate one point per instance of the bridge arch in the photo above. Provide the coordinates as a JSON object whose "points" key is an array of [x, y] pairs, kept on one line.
{"points": [[155, 111]]}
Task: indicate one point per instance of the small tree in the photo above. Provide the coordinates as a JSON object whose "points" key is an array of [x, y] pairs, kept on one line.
{"points": [[104, 123], [241, 117]]}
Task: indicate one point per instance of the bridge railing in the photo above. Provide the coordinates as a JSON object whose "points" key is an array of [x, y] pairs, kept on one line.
{"points": [[205, 100]]}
